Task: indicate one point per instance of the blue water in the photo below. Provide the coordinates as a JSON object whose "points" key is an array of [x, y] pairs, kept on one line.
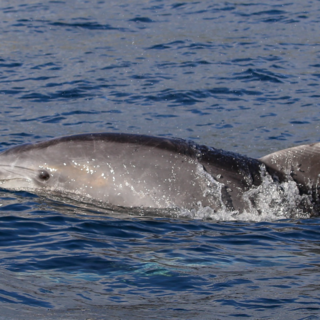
{"points": [[242, 76]]}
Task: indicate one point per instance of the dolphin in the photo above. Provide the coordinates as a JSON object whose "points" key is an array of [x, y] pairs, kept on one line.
{"points": [[138, 171]]}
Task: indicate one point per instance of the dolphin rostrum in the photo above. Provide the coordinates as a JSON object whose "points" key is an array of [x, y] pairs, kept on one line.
{"points": [[137, 171]]}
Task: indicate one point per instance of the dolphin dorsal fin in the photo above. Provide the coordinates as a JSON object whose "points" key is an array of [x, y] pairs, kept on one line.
{"points": [[302, 163]]}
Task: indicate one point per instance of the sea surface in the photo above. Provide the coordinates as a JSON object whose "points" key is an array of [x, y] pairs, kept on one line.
{"points": [[238, 75]]}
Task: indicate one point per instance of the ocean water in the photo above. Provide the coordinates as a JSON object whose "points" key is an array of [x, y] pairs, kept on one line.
{"points": [[241, 76]]}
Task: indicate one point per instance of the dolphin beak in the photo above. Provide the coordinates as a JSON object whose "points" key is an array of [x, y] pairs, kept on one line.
{"points": [[13, 177]]}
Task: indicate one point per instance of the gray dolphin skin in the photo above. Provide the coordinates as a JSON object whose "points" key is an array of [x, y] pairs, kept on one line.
{"points": [[137, 171]]}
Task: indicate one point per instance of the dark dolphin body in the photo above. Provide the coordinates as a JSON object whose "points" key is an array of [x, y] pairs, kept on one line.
{"points": [[138, 171]]}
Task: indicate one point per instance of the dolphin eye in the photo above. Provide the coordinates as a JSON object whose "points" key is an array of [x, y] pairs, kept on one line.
{"points": [[43, 175]]}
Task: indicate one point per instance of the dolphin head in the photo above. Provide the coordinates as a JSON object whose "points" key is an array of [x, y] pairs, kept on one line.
{"points": [[68, 166]]}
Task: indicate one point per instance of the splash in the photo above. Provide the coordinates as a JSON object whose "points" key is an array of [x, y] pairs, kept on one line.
{"points": [[269, 201]]}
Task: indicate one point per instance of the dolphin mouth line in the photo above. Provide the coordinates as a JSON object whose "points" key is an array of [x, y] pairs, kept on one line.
{"points": [[2, 181]]}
